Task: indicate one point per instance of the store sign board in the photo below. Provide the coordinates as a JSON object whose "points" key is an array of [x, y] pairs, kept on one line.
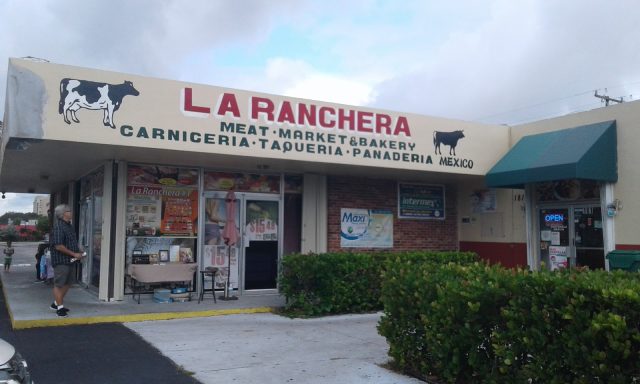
{"points": [[421, 201], [86, 105]]}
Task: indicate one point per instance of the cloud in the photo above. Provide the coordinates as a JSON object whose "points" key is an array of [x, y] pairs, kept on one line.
{"points": [[524, 54], [469, 60], [146, 37], [297, 78], [17, 202], [496, 61]]}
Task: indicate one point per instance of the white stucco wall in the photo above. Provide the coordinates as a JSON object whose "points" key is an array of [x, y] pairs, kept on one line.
{"points": [[505, 224]]}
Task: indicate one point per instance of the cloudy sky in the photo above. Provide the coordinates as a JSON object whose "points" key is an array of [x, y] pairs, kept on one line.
{"points": [[492, 61], [17, 202]]}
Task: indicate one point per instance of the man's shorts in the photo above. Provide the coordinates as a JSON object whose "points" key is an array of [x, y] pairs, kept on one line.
{"points": [[63, 274], [7, 261]]}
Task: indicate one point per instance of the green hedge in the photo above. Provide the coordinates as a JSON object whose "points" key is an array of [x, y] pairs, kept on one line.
{"points": [[485, 324], [332, 283]]}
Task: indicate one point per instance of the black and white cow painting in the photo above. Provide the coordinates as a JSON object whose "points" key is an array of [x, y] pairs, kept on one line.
{"points": [[76, 94], [447, 138]]}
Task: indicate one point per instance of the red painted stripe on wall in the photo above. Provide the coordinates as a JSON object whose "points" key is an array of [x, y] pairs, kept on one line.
{"points": [[510, 255], [628, 247]]}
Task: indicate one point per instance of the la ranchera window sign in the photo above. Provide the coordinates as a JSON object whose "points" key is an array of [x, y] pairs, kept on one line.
{"points": [[421, 201]]}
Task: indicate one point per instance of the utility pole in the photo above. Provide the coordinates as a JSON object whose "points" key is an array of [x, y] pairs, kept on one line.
{"points": [[607, 99]]}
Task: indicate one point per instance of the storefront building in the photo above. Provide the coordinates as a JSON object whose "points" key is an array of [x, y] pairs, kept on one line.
{"points": [[166, 172]]}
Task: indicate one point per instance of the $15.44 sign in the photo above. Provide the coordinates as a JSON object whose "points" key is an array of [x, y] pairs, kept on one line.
{"points": [[262, 230]]}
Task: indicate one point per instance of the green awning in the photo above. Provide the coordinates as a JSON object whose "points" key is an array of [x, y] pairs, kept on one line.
{"points": [[585, 152]]}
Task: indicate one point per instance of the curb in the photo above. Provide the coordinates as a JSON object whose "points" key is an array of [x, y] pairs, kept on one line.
{"points": [[57, 322]]}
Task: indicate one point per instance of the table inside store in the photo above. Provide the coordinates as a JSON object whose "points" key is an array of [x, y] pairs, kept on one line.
{"points": [[144, 274]]}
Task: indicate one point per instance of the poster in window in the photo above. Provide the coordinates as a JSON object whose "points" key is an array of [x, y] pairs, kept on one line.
{"points": [[483, 201], [161, 176], [162, 201], [186, 255], [217, 256], [163, 255], [241, 182], [143, 215], [558, 257], [179, 213], [262, 221]]}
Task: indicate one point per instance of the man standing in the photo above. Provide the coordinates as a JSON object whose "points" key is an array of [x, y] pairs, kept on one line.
{"points": [[64, 251]]}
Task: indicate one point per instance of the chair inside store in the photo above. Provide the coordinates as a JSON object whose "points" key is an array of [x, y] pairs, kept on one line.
{"points": [[208, 272]]}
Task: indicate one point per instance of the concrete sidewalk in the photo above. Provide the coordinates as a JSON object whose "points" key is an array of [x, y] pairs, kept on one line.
{"points": [[28, 302], [266, 348]]}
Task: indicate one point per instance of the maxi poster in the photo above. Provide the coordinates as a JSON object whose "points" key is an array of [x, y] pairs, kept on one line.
{"points": [[366, 228]]}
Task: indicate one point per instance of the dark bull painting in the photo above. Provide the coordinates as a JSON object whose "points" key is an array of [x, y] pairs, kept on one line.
{"points": [[447, 138]]}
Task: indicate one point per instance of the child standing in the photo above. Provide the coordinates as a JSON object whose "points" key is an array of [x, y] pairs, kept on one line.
{"points": [[8, 256]]}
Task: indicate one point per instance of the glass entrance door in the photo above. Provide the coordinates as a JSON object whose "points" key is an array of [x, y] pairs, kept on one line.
{"points": [[251, 263], [96, 241], [588, 237], [261, 236], [90, 229], [219, 214], [84, 228], [572, 237]]}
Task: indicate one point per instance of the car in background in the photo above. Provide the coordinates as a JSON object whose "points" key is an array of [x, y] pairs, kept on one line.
{"points": [[13, 368]]}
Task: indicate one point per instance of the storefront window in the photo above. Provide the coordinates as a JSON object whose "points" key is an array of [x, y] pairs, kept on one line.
{"points": [[162, 214], [90, 227]]}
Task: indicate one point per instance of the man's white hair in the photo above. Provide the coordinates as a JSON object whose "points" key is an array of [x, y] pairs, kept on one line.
{"points": [[60, 210]]}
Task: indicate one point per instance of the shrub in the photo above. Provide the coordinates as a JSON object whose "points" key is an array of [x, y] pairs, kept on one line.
{"points": [[485, 324], [332, 283], [572, 327]]}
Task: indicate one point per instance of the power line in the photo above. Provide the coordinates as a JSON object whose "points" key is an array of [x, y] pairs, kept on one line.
{"points": [[578, 108], [558, 99], [534, 105]]}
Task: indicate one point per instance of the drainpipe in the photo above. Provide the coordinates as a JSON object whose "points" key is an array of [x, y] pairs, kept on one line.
{"points": [[607, 197], [531, 227]]}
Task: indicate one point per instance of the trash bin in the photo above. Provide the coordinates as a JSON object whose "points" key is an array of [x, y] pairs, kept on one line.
{"points": [[624, 260]]}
